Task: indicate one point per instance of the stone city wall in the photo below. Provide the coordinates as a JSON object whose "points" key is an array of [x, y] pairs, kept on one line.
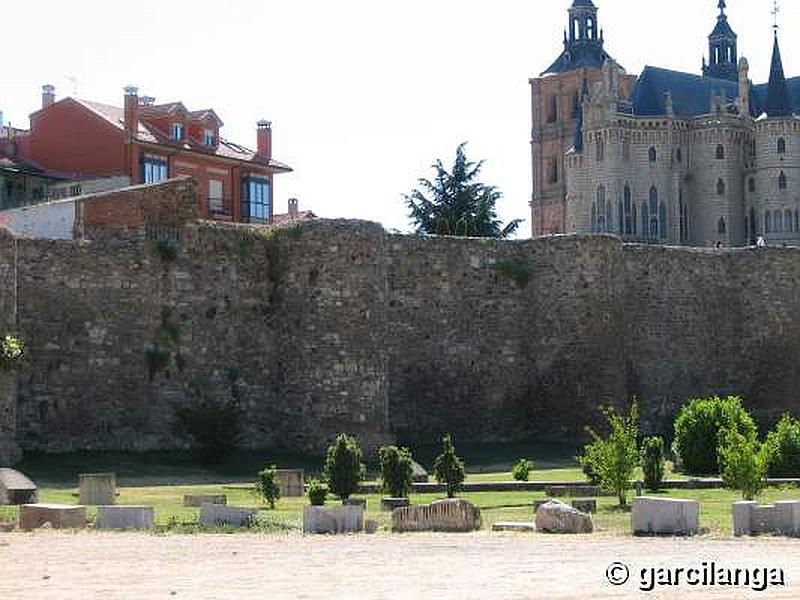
{"points": [[338, 326]]}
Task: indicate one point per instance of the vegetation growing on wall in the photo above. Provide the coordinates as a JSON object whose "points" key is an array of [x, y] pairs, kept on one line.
{"points": [[516, 270], [275, 255], [166, 336], [12, 351]]}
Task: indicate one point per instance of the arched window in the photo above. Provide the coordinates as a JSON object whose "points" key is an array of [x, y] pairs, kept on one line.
{"points": [[781, 146], [777, 221], [782, 181], [552, 109], [722, 228], [753, 225], [601, 149], [620, 218], [683, 209], [751, 184], [645, 220], [634, 221], [653, 210], [630, 212], [787, 220], [651, 154], [594, 217], [720, 187], [767, 222], [720, 152], [796, 221], [601, 210], [662, 221], [679, 155]]}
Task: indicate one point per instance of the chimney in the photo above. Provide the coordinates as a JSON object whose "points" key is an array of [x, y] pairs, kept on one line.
{"points": [[294, 208], [264, 138], [48, 95], [131, 110]]}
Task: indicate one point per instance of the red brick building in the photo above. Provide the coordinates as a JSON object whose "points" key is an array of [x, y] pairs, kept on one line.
{"points": [[150, 143]]}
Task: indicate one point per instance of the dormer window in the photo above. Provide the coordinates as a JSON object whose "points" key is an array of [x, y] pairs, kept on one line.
{"points": [[177, 131], [209, 139]]}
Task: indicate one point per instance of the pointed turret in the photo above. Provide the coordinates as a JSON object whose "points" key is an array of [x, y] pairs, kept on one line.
{"points": [[778, 101], [722, 51]]}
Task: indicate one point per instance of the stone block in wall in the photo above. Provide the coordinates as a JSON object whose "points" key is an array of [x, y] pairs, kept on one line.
{"points": [[16, 488], [125, 517], [665, 516], [451, 515], [333, 520], [97, 489], [58, 516]]}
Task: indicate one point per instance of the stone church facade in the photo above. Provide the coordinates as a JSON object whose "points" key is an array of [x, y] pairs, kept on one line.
{"points": [[670, 157]]}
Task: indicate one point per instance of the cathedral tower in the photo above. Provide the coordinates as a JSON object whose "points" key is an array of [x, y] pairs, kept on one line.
{"points": [[722, 52]]}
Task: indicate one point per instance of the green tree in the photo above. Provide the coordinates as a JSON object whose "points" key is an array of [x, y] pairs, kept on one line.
{"points": [[522, 470], [782, 448], [616, 456], [449, 468], [344, 466], [743, 466], [455, 203], [397, 471], [267, 485], [653, 462]]}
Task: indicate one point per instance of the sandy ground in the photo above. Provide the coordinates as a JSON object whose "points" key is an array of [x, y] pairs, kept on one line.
{"points": [[54, 566]]}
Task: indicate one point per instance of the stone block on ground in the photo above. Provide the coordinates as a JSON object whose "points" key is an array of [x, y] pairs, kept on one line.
{"points": [[370, 526], [389, 504], [763, 519], [452, 515], [355, 502], [292, 482], [742, 512], [223, 515], [574, 491], [6, 527], [665, 516], [333, 520], [517, 527], [97, 489], [125, 517], [419, 474], [197, 500], [586, 506], [557, 517], [538, 503], [16, 488], [788, 517], [57, 516]]}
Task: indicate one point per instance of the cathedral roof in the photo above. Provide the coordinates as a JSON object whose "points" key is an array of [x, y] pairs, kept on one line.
{"points": [[691, 94]]}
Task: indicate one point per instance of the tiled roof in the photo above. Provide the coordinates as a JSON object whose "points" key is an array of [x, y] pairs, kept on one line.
{"points": [[303, 215], [27, 167]]}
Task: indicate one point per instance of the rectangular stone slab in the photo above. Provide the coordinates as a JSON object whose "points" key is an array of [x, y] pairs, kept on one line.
{"points": [[763, 519], [518, 527], [788, 517], [333, 520], [125, 517], [97, 489], [16, 488], [742, 517], [197, 500], [60, 516], [292, 482], [665, 516], [221, 515]]}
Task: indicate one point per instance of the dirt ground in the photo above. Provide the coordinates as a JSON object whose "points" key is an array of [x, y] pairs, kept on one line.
{"points": [[53, 566]]}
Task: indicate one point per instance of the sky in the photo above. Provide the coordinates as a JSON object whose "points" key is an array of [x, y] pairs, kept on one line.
{"points": [[364, 95]]}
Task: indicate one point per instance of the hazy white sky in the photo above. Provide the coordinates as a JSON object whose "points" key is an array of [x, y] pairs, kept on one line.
{"points": [[363, 95]]}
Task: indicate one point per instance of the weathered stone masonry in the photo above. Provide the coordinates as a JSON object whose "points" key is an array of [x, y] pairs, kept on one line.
{"points": [[339, 326]]}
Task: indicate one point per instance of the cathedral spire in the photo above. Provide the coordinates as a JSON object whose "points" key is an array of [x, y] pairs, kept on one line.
{"points": [[778, 101], [583, 40], [722, 50]]}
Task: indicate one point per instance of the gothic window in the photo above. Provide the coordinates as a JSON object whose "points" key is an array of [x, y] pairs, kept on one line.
{"points": [[753, 225], [781, 146], [621, 218], [651, 154], [787, 220], [796, 221], [684, 217], [662, 221], [633, 220], [720, 187], [767, 222], [751, 184], [720, 152], [626, 149], [645, 219], [782, 181], [552, 171], [722, 228], [601, 149], [594, 217], [630, 212], [601, 210], [552, 109], [679, 155], [777, 221], [653, 210], [576, 102]]}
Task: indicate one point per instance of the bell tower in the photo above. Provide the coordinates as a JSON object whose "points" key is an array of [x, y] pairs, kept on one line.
{"points": [[722, 51]]}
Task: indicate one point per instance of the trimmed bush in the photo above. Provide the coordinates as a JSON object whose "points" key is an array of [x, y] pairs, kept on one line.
{"points": [[653, 462], [522, 470], [397, 471], [317, 492], [782, 448], [698, 427], [267, 486], [449, 468], [589, 460], [743, 465], [344, 466]]}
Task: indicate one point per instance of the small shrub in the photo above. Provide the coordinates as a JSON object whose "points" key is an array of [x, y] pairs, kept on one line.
{"points": [[592, 454], [214, 427], [616, 456], [344, 466], [12, 351], [782, 449], [743, 465], [522, 470], [317, 492], [397, 471], [653, 462], [698, 427], [449, 468], [267, 486]]}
